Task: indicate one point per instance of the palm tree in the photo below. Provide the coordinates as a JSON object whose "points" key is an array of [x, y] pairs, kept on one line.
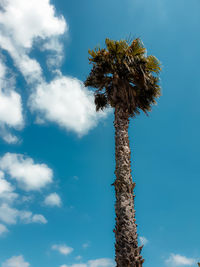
{"points": [[126, 79]]}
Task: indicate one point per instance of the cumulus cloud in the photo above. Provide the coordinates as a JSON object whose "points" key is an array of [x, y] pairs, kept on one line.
{"points": [[3, 229], [5, 186], [24, 23], [16, 261], [103, 262], [53, 200], [63, 249], [38, 218], [30, 20], [29, 217], [179, 260], [29, 175], [10, 109], [10, 215], [7, 193], [10, 106], [143, 240], [66, 102]]}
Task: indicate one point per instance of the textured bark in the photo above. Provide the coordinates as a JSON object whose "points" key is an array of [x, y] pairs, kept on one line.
{"points": [[127, 251]]}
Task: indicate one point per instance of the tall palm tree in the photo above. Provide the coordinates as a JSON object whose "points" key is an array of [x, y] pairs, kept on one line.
{"points": [[126, 79]]}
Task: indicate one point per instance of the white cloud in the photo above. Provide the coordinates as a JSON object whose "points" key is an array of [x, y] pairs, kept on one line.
{"points": [[8, 197], [10, 215], [5, 186], [10, 106], [25, 21], [16, 261], [29, 175], [143, 240], [66, 102], [29, 217], [103, 262], [179, 260], [38, 218], [6, 190], [3, 229], [63, 249], [53, 200], [9, 138], [22, 24], [2, 175], [30, 68], [55, 55]]}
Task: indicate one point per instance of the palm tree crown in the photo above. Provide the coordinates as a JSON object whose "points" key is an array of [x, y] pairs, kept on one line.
{"points": [[124, 76]]}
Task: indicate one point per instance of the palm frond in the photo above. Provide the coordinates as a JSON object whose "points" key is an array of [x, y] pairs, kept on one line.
{"points": [[153, 64], [137, 48]]}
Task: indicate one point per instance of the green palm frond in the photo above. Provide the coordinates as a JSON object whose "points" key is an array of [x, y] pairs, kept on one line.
{"points": [[153, 64], [137, 48]]}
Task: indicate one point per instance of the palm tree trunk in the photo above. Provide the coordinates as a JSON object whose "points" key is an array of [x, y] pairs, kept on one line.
{"points": [[127, 252]]}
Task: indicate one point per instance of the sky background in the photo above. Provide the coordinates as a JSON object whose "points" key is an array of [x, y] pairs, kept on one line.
{"points": [[57, 154]]}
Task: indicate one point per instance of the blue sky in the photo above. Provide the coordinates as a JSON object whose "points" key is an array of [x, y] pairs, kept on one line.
{"points": [[57, 154]]}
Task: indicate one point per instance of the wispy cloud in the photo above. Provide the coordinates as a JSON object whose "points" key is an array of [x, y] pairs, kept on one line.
{"points": [[16, 261], [180, 260], [143, 240], [3, 229], [103, 262], [62, 249]]}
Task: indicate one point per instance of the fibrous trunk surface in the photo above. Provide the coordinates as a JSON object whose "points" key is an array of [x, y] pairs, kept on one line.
{"points": [[127, 252]]}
